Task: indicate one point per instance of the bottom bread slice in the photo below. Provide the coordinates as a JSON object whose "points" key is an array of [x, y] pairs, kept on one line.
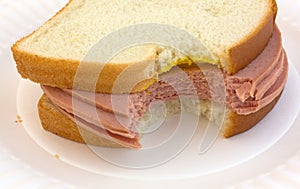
{"points": [[53, 120]]}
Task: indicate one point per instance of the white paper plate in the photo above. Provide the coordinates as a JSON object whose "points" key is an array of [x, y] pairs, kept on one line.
{"points": [[27, 153]]}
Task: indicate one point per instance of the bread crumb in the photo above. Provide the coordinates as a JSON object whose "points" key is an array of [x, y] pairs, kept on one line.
{"points": [[56, 156], [19, 119]]}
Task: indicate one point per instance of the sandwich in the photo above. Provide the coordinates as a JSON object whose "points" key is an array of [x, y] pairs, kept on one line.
{"points": [[242, 67]]}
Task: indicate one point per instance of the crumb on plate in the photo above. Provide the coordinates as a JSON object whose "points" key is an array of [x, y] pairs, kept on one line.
{"points": [[19, 119], [56, 156]]}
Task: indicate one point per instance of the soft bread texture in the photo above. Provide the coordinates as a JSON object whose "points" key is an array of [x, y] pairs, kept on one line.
{"points": [[231, 123], [235, 32]]}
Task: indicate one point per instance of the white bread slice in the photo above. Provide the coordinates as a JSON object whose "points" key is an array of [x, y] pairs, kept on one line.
{"points": [[234, 31]]}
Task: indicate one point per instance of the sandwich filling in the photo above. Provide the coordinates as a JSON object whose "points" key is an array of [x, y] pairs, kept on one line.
{"points": [[117, 116]]}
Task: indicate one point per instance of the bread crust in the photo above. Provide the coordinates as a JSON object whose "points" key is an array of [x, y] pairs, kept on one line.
{"points": [[44, 70], [240, 55], [235, 124], [56, 122]]}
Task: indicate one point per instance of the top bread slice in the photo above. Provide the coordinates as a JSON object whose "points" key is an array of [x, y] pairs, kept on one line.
{"points": [[233, 31]]}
